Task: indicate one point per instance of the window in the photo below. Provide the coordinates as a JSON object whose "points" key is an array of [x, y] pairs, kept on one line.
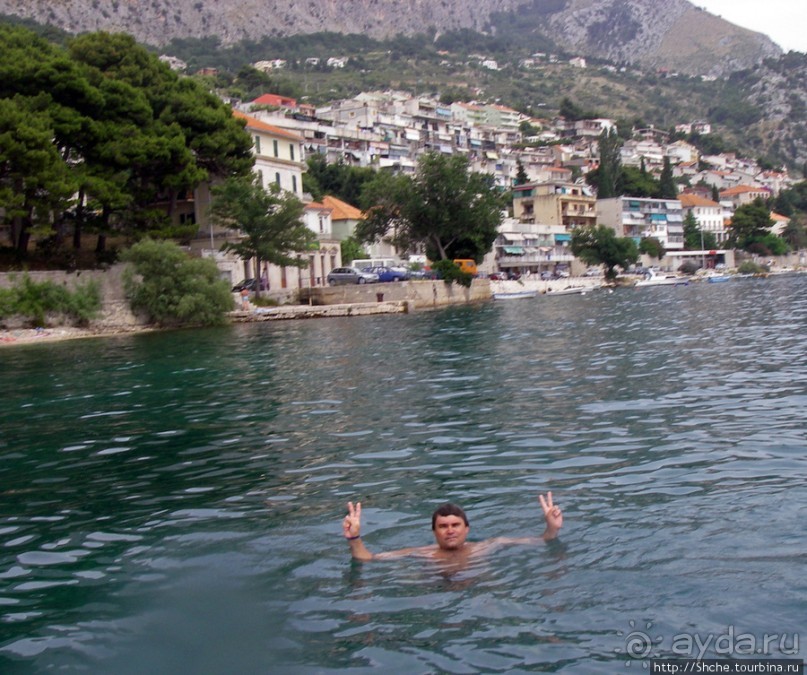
{"points": [[274, 144], [277, 179], [291, 151], [257, 145], [294, 184]]}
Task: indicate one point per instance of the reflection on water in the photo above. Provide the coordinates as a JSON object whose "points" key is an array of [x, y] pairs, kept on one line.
{"points": [[172, 502]]}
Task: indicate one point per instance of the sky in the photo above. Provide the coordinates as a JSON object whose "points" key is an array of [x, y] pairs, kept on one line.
{"points": [[784, 21]]}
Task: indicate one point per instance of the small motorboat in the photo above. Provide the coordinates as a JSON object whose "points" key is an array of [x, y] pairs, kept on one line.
{"points": [[515, 295], [652, 278], [571, 290]]}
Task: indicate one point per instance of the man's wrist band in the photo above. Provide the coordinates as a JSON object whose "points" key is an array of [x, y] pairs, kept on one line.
{"points": [[358, 536]]}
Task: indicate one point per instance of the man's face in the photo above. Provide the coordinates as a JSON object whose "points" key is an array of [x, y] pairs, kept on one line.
{"points": [[450, 532]]}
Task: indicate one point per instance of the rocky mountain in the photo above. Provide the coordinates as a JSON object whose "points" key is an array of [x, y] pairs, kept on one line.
{"points": [[672, 34]]}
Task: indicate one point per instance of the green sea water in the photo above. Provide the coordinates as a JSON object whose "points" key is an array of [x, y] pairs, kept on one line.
{"points": [[171, 503]]}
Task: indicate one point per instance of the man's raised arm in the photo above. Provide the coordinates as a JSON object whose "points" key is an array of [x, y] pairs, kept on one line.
{"points": [[351, 528], [552, 515]]}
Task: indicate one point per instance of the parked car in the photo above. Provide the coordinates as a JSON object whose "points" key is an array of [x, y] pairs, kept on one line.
{"points": [[350, 275], [248, 284], [388, 273], [423, 273], [498, 276]]}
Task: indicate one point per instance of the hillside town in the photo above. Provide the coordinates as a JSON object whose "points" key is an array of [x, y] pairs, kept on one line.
{"points": [[391, 130]]}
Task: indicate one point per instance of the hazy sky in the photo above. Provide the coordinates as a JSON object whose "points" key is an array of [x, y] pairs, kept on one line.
{"points": [[784, 21]]}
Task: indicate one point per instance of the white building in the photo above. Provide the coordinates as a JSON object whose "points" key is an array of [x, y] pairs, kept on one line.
{"points": [[278, 154], [707, 213], [644, 217]]}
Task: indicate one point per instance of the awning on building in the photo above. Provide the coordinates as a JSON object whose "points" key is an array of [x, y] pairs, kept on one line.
{"points": [[513, 236], [491, 155], [513, 250], [563, 237]]}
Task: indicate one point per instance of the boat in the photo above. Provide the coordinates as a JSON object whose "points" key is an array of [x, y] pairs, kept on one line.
{"points": [[652, 278], [515, 295], [718, 278], [571, 290]]}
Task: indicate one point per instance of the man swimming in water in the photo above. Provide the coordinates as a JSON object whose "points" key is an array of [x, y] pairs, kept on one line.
{"points": [[450, 527]]}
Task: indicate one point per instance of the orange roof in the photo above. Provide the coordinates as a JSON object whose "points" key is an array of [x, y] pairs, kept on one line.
{"points": [[696, 200], [741, 189], [779, 217], [253, 123], [342, 210], [274, 99]]}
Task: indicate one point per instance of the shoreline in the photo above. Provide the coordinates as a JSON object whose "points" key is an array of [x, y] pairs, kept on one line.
{"points": [[26, 336], [10, 337]]}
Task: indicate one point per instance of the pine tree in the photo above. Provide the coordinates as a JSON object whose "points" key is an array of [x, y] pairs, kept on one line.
{"points": [[610, 171], [667, 187]]}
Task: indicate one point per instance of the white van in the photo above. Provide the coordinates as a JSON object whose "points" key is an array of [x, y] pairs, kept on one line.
{"points": [[373, 262]]}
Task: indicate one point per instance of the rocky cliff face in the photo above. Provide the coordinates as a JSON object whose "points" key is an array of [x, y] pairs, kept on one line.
{"points": [[657, 33], [158, 21], [671, 34]]}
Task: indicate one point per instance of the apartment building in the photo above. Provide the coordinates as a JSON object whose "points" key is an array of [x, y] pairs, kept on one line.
{"points": [[644, 217], [546, 213]]}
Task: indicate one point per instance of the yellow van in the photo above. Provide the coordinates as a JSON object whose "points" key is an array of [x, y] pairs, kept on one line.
{"points": [[466, 265]]}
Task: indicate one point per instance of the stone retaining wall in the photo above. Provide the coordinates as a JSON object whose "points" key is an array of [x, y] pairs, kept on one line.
{"points": [[417, 294], [115, 312]]}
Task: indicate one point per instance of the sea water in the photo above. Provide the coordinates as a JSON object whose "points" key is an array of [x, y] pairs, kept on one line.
{"points": [[171, 503]]}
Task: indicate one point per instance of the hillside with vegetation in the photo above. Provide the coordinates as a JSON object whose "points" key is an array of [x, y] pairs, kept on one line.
{"points": [[758, 112]]}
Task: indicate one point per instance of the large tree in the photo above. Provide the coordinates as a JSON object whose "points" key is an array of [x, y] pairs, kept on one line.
{"points": [[599, 245], [446, 209], [34, 179], [186, 137], [135, 136], [750, 224], [270, 222]]}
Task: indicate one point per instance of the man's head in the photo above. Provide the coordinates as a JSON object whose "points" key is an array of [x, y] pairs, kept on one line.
{"points": [[450, 526]]}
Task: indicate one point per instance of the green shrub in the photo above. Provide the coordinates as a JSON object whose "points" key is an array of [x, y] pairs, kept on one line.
{"points": [[451, 272], [8, 300], [84, 302], [750, 267], [174, 289], [34, 299]]}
